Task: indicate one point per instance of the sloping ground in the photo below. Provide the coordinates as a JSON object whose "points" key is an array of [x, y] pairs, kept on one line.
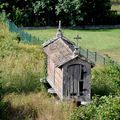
{"points": [[19, 62], [23, 96]]}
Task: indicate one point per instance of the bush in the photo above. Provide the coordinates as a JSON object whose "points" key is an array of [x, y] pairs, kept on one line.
{"points": [[104, 108], [113, 18], [106, 81]]}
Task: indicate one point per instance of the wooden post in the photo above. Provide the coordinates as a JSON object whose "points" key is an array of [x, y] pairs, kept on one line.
{"points": [[87, 54], [95, 56], [104, 60], [79, 50]]}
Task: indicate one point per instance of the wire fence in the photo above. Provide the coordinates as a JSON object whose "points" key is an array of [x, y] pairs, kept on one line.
{"points": [[97, 58], [28, 38], [24, 36]]}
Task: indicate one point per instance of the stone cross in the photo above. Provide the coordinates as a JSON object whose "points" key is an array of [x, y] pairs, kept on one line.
{"points": [[77, 38]]}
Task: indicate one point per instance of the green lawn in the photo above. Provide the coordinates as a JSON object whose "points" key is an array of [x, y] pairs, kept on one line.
{"points": [[102, 41]]}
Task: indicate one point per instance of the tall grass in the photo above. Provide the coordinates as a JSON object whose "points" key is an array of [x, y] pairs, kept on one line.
{"points": [[21, 65], [36, 106]]}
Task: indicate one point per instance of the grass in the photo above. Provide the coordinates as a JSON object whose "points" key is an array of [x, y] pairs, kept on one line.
{"points": [[21, 65], [102, 41], [36, 106]]}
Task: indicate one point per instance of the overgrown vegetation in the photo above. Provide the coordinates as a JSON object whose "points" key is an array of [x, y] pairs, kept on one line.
{"points": [[22, 65], [106, 81], [103, 108]]}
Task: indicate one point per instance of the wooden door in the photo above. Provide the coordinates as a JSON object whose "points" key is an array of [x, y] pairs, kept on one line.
{"points": [[75, 80]]}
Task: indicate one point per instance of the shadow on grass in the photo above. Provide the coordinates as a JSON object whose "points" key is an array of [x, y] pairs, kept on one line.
{"points": [[19, 113], [8, 112]]}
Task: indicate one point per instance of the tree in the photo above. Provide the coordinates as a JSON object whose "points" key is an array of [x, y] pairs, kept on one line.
{"points": [[45, 11], [94, 11], [48, 12], [68, 11]]}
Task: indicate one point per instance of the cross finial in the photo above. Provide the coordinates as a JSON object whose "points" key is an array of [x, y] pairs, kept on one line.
{"points": [[59, 32], [77, 38], [59, 24]]}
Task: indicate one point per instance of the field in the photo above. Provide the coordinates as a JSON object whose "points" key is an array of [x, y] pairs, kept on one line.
{"points": [[101, 41]]}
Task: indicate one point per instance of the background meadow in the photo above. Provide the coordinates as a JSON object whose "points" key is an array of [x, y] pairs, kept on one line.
{"points": [[104, 41]]}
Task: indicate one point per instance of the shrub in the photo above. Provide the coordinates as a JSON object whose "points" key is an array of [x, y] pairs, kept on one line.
{"points": [[104, 108], [106, 81]]}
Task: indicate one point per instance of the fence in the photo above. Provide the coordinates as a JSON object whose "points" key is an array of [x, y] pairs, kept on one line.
{"points": [[97, 58], [27, 38], [24, 36]]}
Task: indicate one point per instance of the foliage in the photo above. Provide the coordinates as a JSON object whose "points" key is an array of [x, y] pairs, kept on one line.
{"points": [[21, 65], [83, 11], [103, 108], [2, 17], [47, 12], [69, 11], [106, 81], [95, 11]]}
